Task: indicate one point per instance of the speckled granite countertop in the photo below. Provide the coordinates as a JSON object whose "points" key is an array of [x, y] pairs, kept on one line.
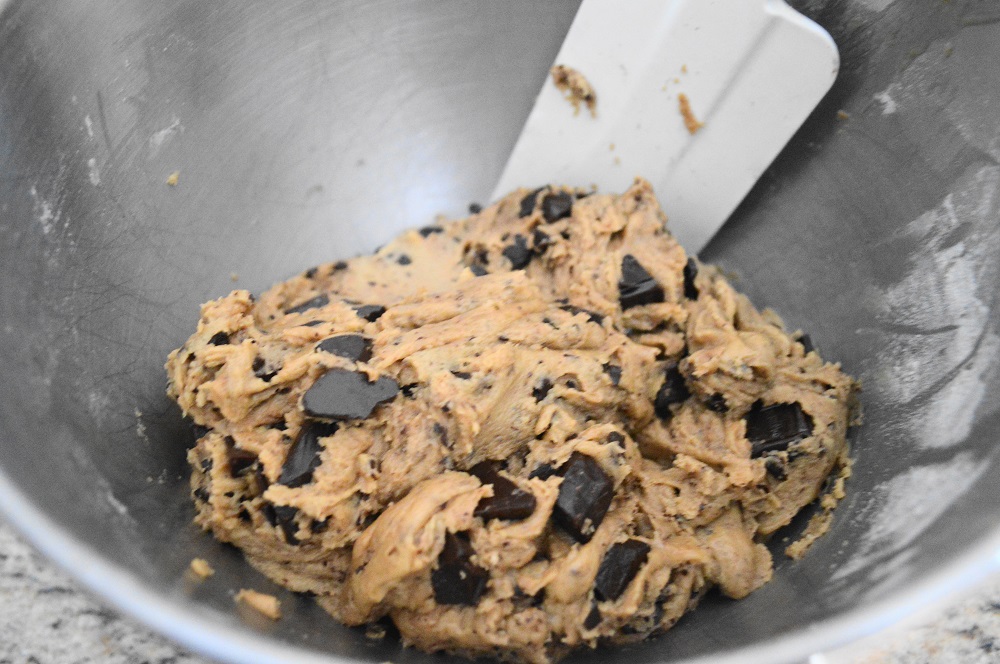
{"points": [[46, 619]]}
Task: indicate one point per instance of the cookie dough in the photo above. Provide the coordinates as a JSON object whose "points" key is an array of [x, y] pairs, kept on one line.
{"points": [[538, 428]]}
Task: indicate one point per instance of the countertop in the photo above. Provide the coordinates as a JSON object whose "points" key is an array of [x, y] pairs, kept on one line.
{"points": [[45, 618]]}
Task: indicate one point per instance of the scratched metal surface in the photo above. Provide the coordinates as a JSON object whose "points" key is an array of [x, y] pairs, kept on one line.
{"points": [[306, 131]]}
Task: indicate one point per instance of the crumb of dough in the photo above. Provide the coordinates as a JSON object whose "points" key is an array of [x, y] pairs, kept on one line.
{"points": [[234, 277], [266, 605], [690, 121], [446, 432], [201, 568], [820, 522], [576, 88], [843, 115], [173, 177], [375, 632], [684, 69]]}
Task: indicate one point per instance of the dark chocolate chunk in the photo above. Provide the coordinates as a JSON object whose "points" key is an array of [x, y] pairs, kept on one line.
{"points": [[518, 253], [529, 201], [408, 390], [774, 428], [584, 497], [206, 465], [637, 286], [542, 389], [775, 467], [352, 346], [557, 206], [441, 433], [614, 373], [219, 339], [370, 312], [674, 390], [592, 316], [478, 269], [717, 403], [313, 323], [427, 231], [615, 437], [464, 375], [310, 273], [202, 494], [690, 272], [315, 303], [457, 580], [540, 242], [199, 431], [303, 456], [475, 208], [807, 344], [620, 565], [261, 370], [339, 265], [593, 618], [543, 472], [240, 461], [340, 394], [508, 500], [404, 259], [283, 516]]}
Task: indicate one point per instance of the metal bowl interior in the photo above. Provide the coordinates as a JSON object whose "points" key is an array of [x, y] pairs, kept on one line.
{"points": [[310, 131]]}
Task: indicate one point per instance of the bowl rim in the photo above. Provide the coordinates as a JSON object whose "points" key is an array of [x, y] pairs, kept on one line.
{"points": [[208, 637]]}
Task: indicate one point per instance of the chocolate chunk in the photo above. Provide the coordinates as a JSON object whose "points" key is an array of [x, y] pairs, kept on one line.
{"points": [[542, 471], [283, 516], [775, 467], [674, 390], [529, 201], [620, 565], [614, 373], [315, 303], [557, 206], [518, 253], [404, 260], [774, 428], [542, 390], [508, 500], [202, 494], [219, 339], [615, 437], [478, 270], [540, 242], [637, 286], [475, 208], [408, 390], [427, 231], [340, 394], [717, 403], [352, 346], [593, 618], [261, 370], [303, 456], [313, 323], [592, 316], [690, 272], [807, 344], [240, 461], [441, 433], [199, 431], [339, 265], [310, 273], [464, 375], [370, 312], [457, 580], [584, 497]]}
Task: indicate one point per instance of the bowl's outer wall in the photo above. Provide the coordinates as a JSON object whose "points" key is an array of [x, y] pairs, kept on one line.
{"points": [[310, 131]]}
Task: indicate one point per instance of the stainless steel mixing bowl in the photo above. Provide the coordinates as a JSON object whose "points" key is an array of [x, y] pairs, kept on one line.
{"points": [[307, 131]]}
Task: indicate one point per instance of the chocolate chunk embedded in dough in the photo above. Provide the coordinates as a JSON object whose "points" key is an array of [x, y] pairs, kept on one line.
{"points": [[618, 567], [240, 461], [690, 272], [518, 253], [340, 394], [614, 373], [457, 580], [674, 390], [370, 312], [557, 206], [303, 457], [314, 303], [592, 316], [774, 428], [261, 370], [637, 286], [352, 346], [427, 231], [508, 500], [529, 201], [219, 339], [584, 497]]}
